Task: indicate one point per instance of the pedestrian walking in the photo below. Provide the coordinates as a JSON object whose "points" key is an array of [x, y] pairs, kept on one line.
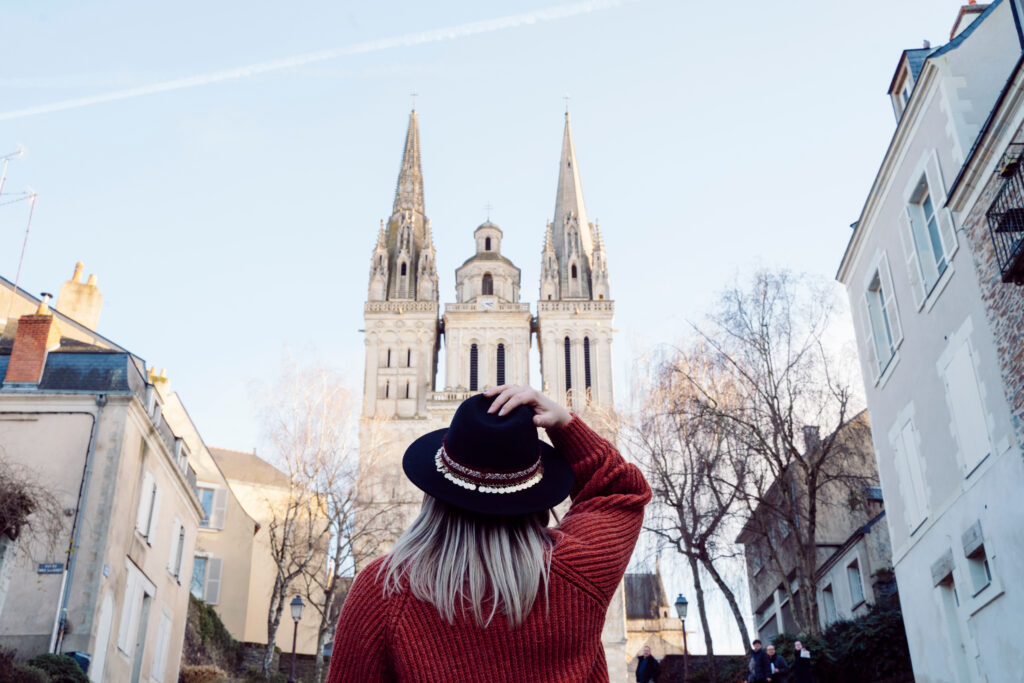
{"points": [[478, 588], [801, 664], [778, 666], [758, 669], [647, 669]]}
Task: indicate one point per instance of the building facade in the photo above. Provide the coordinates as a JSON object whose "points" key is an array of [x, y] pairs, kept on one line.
{"points": [[487, 333], [79, 416], [854, 554], [937, 347]]}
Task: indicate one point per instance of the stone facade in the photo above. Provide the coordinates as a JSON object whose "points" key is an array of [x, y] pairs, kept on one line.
{"points": [[938, 339], [487, 332]]}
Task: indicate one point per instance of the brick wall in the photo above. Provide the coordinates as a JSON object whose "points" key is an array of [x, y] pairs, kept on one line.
{"points": [[35, 336], [1003, 302]]}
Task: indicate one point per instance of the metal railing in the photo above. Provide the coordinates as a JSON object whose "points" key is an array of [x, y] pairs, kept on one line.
{"points": [[1006, 219]]}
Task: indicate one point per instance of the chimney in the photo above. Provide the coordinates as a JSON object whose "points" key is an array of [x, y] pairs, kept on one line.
{"points": [[81, 301], [37, 335], [812, 437], [966, 16]]}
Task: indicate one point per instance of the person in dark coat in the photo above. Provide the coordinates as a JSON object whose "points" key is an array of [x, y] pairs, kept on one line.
{"points": [[647, 669], [758, 668], [801, 664], [778, 665]]}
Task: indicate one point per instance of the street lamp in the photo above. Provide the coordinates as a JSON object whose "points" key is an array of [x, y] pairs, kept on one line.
{"points": [[681, 605], [297, 606]]}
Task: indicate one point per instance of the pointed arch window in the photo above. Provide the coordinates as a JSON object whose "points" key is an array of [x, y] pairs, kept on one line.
{"points": [[487, 244], [573, 271], [501, 364], [404, 269], [488, 284], [408, 358], [387, 389], [586, 361], [389, 358], [407, 389], [473, 376], [568, 365]]}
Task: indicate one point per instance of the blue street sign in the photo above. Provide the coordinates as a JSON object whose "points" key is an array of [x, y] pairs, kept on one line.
{"points": [[51, 568]]}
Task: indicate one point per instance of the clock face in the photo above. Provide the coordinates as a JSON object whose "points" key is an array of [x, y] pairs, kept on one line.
{"points": [[487, 304]]}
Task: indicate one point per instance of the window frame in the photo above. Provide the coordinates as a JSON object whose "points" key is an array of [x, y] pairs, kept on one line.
{"points": [[853, 569]]}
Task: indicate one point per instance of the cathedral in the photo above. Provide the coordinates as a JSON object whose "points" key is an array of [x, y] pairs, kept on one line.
{"points": [[487, 332]]}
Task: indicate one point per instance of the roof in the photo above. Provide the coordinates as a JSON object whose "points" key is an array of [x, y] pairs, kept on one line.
{"points": [[248, 467], [90, 370], [487, 224], [645, 596], [915, 62], [901, 124], [488, 256]]}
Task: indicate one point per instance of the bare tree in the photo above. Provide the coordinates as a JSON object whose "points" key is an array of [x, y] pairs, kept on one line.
{"points": [[307, 423], [684, 449], [769, 342]]}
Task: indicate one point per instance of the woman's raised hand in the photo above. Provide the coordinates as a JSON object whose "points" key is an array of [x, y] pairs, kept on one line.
{"points": [[546, 413]]}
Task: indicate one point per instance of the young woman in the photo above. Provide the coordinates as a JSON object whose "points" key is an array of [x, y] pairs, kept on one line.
{"points": [[478, 588]]}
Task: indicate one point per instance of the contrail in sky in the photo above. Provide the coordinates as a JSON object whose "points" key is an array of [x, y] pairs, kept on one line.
{"points": [[409, 40]]}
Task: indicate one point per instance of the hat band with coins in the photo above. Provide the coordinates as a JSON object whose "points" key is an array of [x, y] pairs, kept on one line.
{"points": [[492, 481]]}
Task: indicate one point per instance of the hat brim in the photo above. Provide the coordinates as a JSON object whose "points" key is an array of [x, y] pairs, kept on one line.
{"points": [[551, 490]]}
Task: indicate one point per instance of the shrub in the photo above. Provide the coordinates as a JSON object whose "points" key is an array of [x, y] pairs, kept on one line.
{"points": [[15, 672], [60, 668], [872, 647], [202, 674]]}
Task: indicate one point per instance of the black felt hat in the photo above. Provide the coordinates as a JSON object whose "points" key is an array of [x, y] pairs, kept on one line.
{"points": [[491, 464]]}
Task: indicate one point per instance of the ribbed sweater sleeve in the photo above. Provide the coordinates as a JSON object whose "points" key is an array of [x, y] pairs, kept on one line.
{"points": [[607, 511], [360, 641]]}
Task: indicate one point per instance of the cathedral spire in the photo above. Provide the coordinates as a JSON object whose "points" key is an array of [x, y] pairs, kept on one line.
{"points": [[409, 192], [569, 197]]}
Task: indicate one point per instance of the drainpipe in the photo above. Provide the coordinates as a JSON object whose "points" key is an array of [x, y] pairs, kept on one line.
{"points": [[60, 621]]}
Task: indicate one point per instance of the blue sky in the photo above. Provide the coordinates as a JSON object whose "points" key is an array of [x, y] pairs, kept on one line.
{"points": [[230, 221]]}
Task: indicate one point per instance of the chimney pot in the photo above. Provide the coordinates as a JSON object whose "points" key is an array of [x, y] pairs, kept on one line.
{"points": [[77, 277], [92, 280]]}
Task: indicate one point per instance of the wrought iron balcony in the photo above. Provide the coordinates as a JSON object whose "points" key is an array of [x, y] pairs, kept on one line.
{"points": [[1006, 217]]}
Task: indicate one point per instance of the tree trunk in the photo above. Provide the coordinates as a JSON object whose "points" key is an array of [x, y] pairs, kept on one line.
{"points": [[741, 623], [699, 590]]}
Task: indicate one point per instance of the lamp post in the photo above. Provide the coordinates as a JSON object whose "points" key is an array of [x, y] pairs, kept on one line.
{"points": [[681, 605], [297, 606]]}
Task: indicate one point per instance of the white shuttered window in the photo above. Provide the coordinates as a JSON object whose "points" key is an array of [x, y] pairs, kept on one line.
{"points": [[964, 398]]}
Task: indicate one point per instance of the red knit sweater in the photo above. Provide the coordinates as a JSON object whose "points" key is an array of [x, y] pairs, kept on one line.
{"points": [[404, 639]]}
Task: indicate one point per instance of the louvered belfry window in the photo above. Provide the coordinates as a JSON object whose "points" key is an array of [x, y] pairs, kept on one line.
{"points": [[568, 365], [501, 364], [586, 360], [473, 376]]}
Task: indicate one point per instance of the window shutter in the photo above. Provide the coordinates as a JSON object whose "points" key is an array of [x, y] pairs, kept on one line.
{"points": [[211, 592], [968, 410], [173, 557], [144, 498], [220, 508], [904, 483], [125, 641], [153, 519], [892, 311], [910, 252], [163, 635], [867, 340], [947, 231]]}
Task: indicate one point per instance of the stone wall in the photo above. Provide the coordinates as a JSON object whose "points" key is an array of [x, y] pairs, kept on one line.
{"points": [[1004, 302]]}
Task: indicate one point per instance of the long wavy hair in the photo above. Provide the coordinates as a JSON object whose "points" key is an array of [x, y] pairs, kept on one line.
{"points": [[457, 560]]}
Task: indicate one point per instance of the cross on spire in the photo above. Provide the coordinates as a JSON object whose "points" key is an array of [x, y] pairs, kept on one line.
{"points": [[414, 95], [488, 208], [566, 98]]}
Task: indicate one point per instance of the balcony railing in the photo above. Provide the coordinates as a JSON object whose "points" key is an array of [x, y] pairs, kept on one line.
{"points": [[1006, 219]]}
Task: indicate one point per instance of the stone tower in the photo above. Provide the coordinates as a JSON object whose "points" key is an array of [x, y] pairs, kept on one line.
{"points": [[575, 311], [487, 331], [401, 308], [402, 341]]}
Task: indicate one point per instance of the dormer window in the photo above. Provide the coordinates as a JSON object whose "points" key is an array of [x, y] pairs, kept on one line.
{"points": [[901, 93]]}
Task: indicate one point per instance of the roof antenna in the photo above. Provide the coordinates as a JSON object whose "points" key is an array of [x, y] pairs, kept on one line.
{"points": [[927, 44]]}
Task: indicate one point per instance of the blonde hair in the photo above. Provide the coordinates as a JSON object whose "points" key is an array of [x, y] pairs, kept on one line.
{"points": [[453, 558]]}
